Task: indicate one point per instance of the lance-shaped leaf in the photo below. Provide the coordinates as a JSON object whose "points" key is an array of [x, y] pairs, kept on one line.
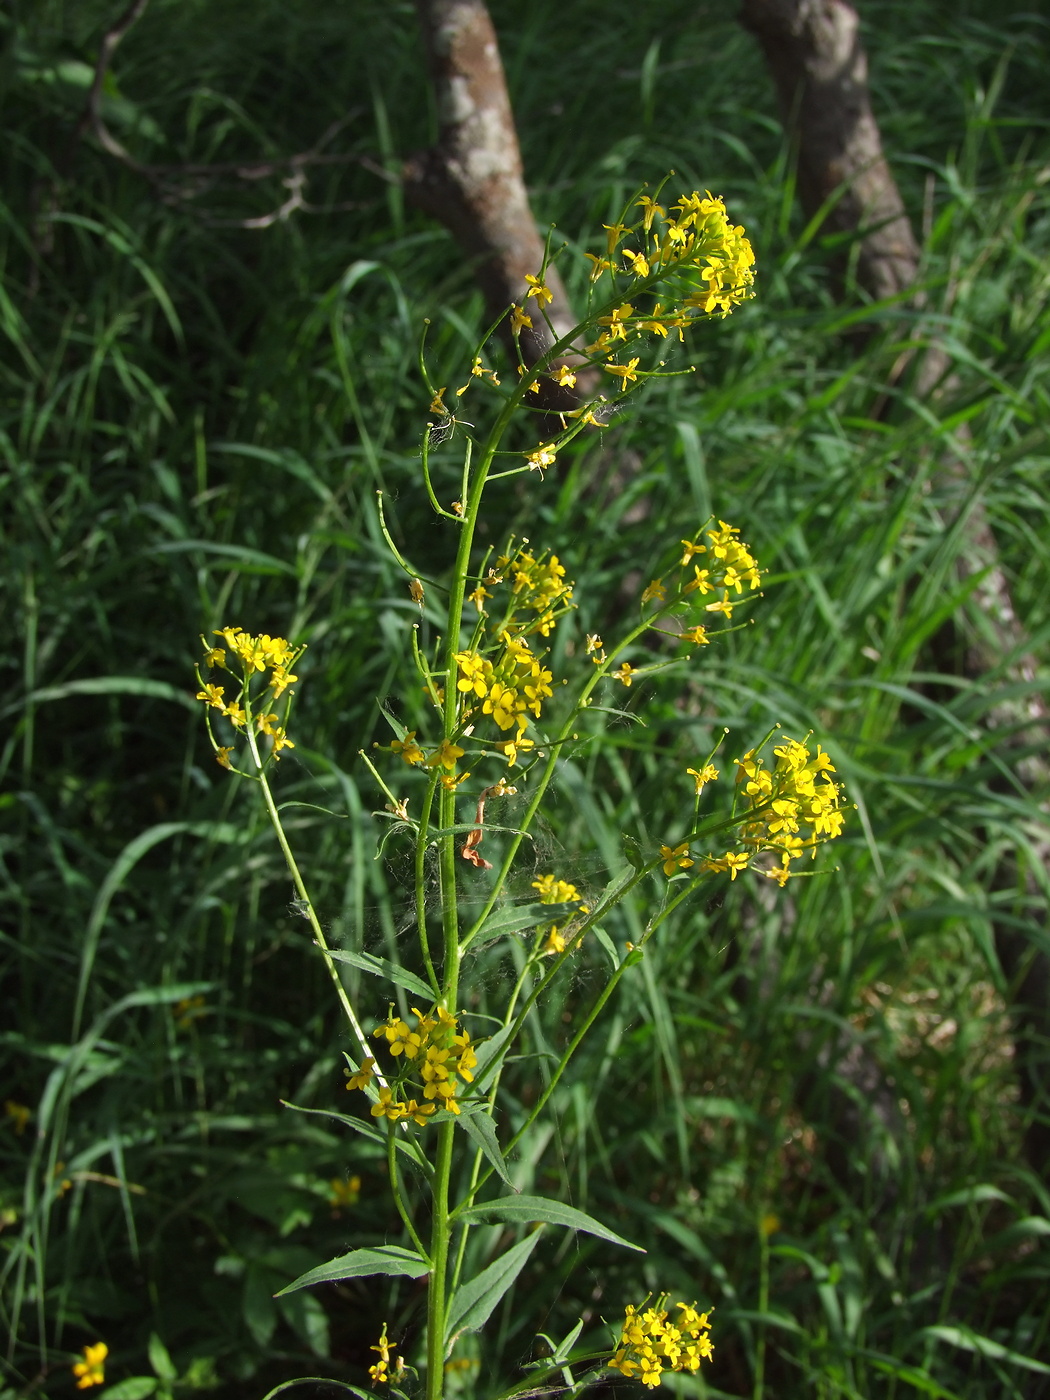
{"points": [[473, 1303], [528, 1210], [382, 967], [512, 918], [361, 1263], [480, 1127]]}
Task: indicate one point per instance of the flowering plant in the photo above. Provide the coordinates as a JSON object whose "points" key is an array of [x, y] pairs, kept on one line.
{"points": [[496, 722]]}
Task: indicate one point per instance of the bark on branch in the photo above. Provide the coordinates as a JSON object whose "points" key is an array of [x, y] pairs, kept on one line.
{"points": [[472, 179], [820, 72]]}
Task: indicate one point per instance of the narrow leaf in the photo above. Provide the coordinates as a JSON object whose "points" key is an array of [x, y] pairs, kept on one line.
{"points": [[490, 1056], [362, 1263], [473, 1303], [382, 967], [480, 1127], [966, 1340], [512, 918], [527, 1210]]}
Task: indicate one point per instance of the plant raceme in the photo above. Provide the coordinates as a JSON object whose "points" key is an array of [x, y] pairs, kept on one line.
{"points": [[495, 720]]}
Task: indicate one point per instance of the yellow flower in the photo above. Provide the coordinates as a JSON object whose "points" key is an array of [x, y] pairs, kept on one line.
{"points": [[212, 695], [344, 1193], [214, 656], [625, 674], [626, 372], [555, 942], [697, 636], [361, 1078], [91, 1371], [19, 1115], [565, 376], [676, 858], [408, 748], [538, 289], [655, 592], [519, 321], [543, 457], [639, 264], [702, 776]]}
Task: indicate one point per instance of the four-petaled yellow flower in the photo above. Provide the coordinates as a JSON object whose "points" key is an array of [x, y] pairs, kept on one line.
{"points": [[626, 372], [626, 674], [541, 458], [519, 320], [676, 858], [703, 776], [538, 289], [408, 748]]}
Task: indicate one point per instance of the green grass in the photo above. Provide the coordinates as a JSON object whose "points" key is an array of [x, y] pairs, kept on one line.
{"points": [[194, 421]]}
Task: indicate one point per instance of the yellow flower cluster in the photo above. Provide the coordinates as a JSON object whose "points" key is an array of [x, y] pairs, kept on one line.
{"points": [[795, 806], [712, 259], [380, 1372], [538, 586], [552, 891], [651, 1344], [730, 565], [91, 1371], [434, 1056], [255, 655], [792, 808]]}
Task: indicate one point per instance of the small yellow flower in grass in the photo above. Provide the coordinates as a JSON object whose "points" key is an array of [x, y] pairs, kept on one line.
{"points": [[214, 656], [600, 265], [769, 1225], [542, 458], [552, 891], [387, 1106], [344, 1193], [650, 208], [732, 861], [281, 741], [626, 372], [222, 757], [445, 755], [416, 592], [380, 1372], [538, 289], [510, 748], [725, 606], [555, 942], [626, 674], [280, 681], [19, 1115], [594, 643], [639, 265], [212, 695], [613, 233], [676, 858], [564, 376], [91, 1371], [188, 1010], [235, 714], [519, 321], [408, 748], [696, 636], [703, 776], [361, 1078], [655, 592]]}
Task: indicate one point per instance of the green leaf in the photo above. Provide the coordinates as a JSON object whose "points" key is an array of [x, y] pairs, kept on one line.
{"points": [[473, 1302], [382, 967], [365, 1128], [106, 685], [253, 560], [479, 1126], [160, 1360], [966, 1340], [490, 1055], [134, 1388], [527, 1210], [608, 945], [363, 1263], [512, 918]]}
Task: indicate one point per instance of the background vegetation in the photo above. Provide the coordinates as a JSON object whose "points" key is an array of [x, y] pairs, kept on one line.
{"points": [[804, 1105]]}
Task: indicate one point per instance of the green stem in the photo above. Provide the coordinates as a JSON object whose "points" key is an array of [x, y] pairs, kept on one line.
{"points": [[304, 894], [395, 1188], [439, 1249]]}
